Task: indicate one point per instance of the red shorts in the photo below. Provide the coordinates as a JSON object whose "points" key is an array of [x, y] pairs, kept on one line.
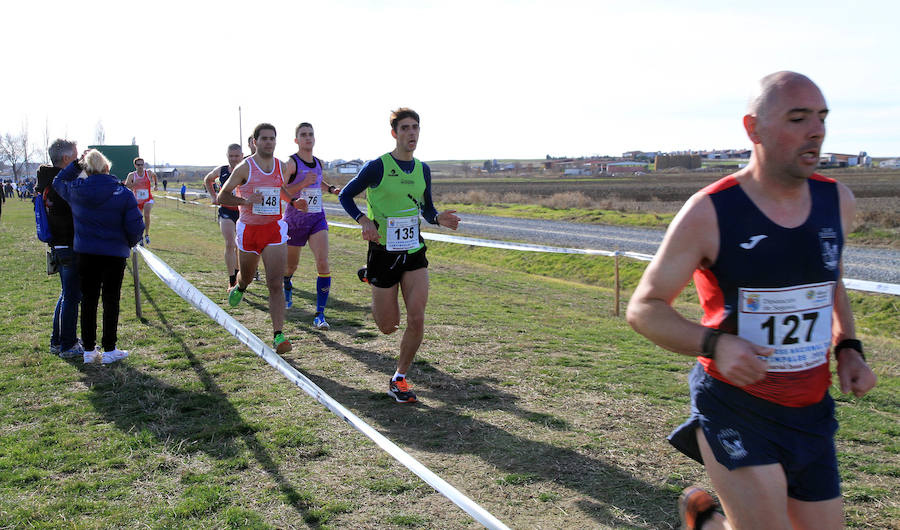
{"points": [[254, 238], [142, 203]]}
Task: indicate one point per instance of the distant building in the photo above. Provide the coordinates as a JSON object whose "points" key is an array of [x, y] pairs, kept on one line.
{"points": [[840, 160], [639, 155], [686, 161], [624, 167], [891, 163], [725, 154], [349, 168], [168, 173]]}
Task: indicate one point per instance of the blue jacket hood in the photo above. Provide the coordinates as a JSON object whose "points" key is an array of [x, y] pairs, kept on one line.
{"points": [[107, 219]]}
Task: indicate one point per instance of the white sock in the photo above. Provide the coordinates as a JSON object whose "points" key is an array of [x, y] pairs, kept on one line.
{"points": [[398, 375]]}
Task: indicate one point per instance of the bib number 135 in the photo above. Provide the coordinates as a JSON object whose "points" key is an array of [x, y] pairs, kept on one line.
{"points": [[402, 233]]}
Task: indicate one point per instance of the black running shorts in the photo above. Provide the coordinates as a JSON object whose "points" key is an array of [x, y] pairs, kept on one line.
{"points": [[384, 269]]}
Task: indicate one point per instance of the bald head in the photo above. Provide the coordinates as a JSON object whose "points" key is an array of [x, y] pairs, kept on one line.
{"points": [[770, 88], [786, 123]]}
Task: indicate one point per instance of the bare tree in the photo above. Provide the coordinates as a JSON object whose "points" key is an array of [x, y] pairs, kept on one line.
{"points": [[99, 134], [45, 153], [27, 151], [15, 151], [11, 153]]}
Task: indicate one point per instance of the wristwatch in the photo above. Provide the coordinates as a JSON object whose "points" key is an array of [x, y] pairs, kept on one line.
{"points": [[710, 339]]}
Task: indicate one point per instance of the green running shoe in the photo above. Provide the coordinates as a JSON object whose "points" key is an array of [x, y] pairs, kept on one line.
{"points": [[281, 344], [234, 296]]}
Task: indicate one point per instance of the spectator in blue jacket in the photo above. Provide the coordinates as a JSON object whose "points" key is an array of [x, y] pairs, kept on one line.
{"points": [[107, 224]]}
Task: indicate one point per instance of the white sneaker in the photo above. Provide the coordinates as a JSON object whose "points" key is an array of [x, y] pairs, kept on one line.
{"points": [[114, 355], [92, 356]]}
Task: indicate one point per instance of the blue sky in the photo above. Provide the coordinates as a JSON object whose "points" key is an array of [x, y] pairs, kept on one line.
{"points": [[491, 79]]}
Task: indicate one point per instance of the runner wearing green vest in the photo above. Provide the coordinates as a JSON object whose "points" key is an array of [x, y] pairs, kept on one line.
{"points": [[398, 189]]}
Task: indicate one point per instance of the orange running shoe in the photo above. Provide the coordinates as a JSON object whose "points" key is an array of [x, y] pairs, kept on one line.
{"points": [[400, 391], [695, 506]]}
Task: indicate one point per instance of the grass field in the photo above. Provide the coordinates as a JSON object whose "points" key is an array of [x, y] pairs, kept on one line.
{"points": [[537, 402]]}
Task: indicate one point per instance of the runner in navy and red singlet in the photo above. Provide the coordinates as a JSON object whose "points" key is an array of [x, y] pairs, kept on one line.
{"points": [[260, 230], [138, 181], [228, 215], [764, 248], [305, 182]]}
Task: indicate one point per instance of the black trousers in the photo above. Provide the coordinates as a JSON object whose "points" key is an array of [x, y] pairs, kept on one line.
{"points": [[100, 276]]}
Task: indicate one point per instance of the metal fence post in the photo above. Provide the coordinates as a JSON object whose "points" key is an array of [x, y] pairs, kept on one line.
{"points": [[137, 283], [617, 282]]}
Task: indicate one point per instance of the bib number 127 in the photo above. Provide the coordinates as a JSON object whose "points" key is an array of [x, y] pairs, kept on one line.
{"points": [[793, 323]]}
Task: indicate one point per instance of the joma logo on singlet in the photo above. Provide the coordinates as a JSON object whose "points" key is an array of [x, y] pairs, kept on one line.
{"points": [[753, 241], [393, 173]]}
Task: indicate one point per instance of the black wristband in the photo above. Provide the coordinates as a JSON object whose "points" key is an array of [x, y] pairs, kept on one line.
{"points": [[708, 349], [331, 188], [853, 344]]}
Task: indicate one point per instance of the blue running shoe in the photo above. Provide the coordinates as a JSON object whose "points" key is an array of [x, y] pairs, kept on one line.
{"points": [[75, 351], [319, 322], [288, 298]]}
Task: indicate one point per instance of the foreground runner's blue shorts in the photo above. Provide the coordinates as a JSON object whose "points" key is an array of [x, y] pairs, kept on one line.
{"points": [[744, 430]]}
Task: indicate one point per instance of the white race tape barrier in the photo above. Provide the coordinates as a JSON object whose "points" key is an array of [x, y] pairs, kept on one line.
{"points": [[200, 301], [527, 247], [856, 285], [189, 202], [872, 287]]}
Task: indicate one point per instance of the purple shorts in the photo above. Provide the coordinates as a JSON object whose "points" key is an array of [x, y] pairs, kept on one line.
{"points": [[302, 225]]}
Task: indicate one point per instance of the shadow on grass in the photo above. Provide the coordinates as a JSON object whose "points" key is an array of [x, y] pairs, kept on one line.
{"points": [[449, 429], [188, 420], [304, 309]]}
